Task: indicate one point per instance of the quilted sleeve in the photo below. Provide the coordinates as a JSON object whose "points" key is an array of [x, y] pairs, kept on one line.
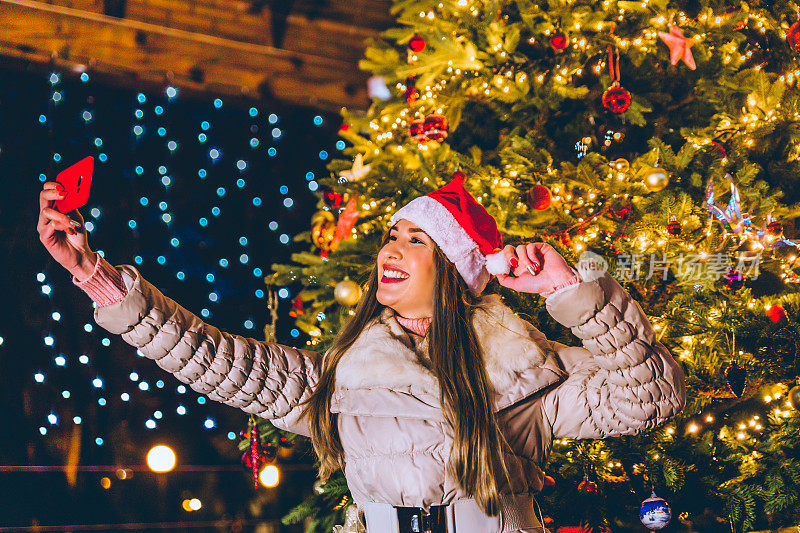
{"points": [[623, 380], [266, 379]]}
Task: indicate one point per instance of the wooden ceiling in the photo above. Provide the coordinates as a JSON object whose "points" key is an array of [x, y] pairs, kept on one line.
{"points": [[302, 52]]}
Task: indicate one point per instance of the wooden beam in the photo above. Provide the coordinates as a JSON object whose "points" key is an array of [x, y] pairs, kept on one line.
{"points": [[39, 31], [232, 19]]}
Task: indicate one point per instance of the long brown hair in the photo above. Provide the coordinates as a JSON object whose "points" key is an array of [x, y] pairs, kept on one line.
{"points": [[456, 360]]}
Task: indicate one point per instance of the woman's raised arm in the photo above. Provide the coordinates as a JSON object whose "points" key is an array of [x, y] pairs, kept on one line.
{"points": [[622, 380], [266, 379], [263, 378]]}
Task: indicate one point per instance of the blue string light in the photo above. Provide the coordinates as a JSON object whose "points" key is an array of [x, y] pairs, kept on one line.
{"points": [[223, 183]]}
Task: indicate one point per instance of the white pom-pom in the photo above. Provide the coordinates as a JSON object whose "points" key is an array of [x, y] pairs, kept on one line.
{"points": [[497, 264]]}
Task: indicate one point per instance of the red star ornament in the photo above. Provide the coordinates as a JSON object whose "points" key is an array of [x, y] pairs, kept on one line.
{"points": [[346, 222], [679, 46]]}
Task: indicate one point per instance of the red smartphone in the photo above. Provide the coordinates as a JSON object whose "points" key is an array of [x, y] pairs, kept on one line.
{"points": [[75, 181]]}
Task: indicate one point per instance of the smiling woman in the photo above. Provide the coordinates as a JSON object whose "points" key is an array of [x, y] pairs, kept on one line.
{"points": [[407, 272], [449, 429]]}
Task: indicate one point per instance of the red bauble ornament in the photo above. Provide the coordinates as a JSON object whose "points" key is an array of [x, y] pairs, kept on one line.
{"points": [[563, 238], [775, 228], [417, 44], [411, 94], [674, 227], [587, 487], [736, 376], [297, 307], [776, 313], [344, 127], [539, 197], [620, 214], [558, 41], [332, 199], [734, 280], [436, 127], [616, 98], [458, 175], [431, 128], [793, 36]]}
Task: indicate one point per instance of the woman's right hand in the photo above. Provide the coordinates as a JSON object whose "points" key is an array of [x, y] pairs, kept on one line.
{"points": [[64, 235]]}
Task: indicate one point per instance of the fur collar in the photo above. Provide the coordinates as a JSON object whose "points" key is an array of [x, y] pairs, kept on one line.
{"points": [[515, 352]]}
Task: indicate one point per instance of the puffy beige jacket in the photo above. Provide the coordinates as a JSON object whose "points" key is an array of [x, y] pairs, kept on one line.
{"points": [[396, 444]]}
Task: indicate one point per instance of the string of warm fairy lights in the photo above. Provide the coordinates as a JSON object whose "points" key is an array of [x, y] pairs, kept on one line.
{"points": [[499, 75], [151, 120], [706, 22]]}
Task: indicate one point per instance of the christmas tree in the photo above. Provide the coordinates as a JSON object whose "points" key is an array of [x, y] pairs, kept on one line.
{"points": [[662, 136]]}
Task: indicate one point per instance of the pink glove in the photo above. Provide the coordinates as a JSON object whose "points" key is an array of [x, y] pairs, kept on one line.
{"points": [[548, 271]]}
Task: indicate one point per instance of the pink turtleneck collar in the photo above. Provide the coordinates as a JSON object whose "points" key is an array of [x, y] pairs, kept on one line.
{"points": [[418, 326]]}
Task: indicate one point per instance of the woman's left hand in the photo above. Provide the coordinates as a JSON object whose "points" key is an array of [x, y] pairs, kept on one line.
{"points": [[551, 270]]}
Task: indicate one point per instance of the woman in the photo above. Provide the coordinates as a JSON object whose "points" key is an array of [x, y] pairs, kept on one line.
{"points": [[440, 404]]}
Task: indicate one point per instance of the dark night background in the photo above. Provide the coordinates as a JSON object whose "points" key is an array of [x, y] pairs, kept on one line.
{"points": [[27, 147]]}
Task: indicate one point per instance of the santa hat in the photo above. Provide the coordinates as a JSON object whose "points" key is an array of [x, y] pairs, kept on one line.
{"points": [[462, 228]]}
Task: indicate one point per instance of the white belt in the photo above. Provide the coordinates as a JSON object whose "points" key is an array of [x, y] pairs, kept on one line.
{"points": [[464, 516]]}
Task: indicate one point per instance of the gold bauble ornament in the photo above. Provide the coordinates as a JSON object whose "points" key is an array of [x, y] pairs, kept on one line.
{"points": [[347, 292], [655, 179], [794, 397], [323, 228], [620, 165]]}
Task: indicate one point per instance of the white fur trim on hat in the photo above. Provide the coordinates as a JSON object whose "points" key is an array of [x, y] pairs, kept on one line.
{"points": [[441, 226]]}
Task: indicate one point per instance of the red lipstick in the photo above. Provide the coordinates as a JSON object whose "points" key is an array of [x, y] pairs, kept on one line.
{"points": [[387, 279]]}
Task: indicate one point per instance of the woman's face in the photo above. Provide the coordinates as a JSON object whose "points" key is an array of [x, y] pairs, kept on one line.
{"points": [[408, 259]]}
